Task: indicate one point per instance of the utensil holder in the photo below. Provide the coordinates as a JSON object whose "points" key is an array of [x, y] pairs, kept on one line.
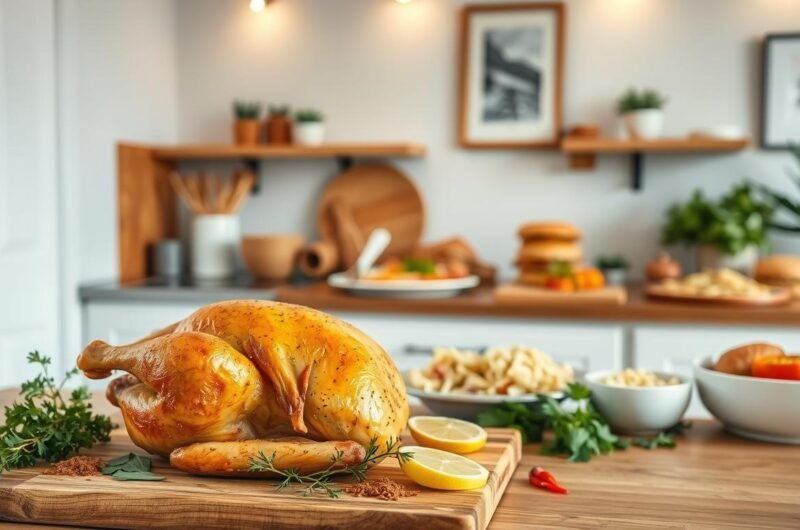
{"points": [[215, 243]]}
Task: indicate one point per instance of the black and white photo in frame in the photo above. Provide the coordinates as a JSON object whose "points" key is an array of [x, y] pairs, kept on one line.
{"points": [[780, 91]]}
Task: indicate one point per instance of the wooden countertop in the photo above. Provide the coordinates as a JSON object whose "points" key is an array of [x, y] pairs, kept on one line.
{"points": [[480, 302], [712, 480]]}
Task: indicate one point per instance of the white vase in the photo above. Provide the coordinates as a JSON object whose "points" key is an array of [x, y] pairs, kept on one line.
{"points": [[215, 244], [709, 257], [309, 133], [645, 124]]}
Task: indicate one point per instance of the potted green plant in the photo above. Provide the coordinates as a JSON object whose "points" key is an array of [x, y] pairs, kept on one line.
{"points": [[643, 113], [246, 124], [310, 127], [614, 268], [728, 233], [787, 208], [279, 126]]}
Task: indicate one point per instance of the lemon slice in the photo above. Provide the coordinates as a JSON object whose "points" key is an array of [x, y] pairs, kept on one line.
{"points": [[442, 470], [447, 434]]}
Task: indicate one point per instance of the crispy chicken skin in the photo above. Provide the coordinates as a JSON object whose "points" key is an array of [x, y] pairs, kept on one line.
{"points": [[247, 370]]}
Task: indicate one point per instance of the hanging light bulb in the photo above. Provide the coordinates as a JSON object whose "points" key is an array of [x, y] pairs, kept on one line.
{"points": [[257, 5]]}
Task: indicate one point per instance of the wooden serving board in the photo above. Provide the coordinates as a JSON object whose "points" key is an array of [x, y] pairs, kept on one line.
{"points": [[517, 294], [776, 296], [186, 501]]}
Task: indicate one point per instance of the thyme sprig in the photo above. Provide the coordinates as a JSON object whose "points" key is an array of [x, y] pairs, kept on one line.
{"points": [[320, 481]]}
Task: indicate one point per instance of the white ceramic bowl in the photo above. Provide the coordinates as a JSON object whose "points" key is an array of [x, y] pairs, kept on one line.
{"points": [[639, 410], [762, 409]]}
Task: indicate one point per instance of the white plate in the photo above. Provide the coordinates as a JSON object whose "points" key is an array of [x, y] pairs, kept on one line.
{"points": [[467, 406], [403, 288]]}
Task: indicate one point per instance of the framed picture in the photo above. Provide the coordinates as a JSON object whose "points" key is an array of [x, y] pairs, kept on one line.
{"points": [[780, 91], [511, 75]]}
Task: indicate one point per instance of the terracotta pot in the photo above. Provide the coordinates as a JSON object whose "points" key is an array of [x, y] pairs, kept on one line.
{"points": [[245, 132], [279, 130], [271, 256]]}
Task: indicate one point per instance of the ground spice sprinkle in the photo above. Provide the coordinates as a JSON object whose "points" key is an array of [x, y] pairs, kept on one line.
{"points": [[77, 466], [382, 488]]}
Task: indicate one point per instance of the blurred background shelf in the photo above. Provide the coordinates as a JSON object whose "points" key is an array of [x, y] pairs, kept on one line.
{"points": [[335, 150], [582, 151]]}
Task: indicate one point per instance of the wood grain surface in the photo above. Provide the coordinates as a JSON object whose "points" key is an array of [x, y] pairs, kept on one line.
{"points": [[573, 144], [352, 149], [224, 503], [517, 294], [480, 302], [775, 296], [711, 480]]}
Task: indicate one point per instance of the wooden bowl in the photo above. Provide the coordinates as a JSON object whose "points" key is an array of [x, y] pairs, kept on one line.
{"points": [[271, 256]]}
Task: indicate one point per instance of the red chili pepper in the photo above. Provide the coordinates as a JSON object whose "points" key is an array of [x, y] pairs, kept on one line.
{"points": [[540, 478]]}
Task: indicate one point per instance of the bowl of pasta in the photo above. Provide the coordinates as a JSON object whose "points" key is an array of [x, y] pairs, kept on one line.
{"points": [[462, 383]]}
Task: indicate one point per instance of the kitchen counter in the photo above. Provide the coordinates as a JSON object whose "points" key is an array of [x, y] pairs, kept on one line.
{"points": [[182, 290], [712, 479], [480, 302]]}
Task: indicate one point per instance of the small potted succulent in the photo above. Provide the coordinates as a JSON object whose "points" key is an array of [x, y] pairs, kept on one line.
{"points": [[643, 113], [246, 124], [614, 268], [279, 126], [729, 232], [309, 127]]}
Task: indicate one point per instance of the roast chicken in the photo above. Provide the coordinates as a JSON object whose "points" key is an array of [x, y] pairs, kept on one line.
{"points": [[241, 377]]}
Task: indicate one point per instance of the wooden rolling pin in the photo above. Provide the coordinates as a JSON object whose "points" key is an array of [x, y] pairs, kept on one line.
{"points": [[319, 259]]}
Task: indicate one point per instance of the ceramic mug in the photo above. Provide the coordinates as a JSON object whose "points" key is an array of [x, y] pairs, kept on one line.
{"points": [[215, 242]]}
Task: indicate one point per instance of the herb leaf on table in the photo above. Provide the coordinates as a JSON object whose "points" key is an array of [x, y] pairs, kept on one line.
{"points": [[130, 467], [46, 425]]}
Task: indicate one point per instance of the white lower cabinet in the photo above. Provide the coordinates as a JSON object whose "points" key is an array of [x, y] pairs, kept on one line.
{"points": [[673, 349], [586, 347], [121, 323]]}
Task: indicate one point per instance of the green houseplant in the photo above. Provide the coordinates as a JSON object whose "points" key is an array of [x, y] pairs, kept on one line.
{"points": [[246, 125], [787, 208], [310, 127], [614, 268], [727, 233], [643, 112]]}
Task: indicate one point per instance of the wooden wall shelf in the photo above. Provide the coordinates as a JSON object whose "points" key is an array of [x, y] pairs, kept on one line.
{"points": [[582, 150], [147, 204]]}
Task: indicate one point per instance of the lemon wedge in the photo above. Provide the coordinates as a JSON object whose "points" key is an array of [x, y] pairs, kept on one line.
{"points": [[447, 434], [442, 470]]}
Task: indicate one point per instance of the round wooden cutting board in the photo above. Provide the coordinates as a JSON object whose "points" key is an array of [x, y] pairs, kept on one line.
{"points": [[378, 196], [776, 296]]}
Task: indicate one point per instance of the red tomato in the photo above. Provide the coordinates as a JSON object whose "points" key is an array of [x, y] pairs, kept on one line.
{"points": [[777, 367]]}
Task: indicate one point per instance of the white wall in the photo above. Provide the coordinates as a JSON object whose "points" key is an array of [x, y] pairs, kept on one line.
{"points": [[116, 80], [382, 71]]}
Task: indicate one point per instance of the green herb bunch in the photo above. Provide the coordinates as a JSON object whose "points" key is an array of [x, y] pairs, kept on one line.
{"points": [[130, 467], [320, 481], [579, 434], [787, 207], [647, 99], [246, 110], [46, 426], [421, 265], [739, 219], [611, 262], [308, 116]]}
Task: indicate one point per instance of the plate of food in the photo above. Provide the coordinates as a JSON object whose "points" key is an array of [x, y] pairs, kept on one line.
{"points": [[754, 390], [720, 286], [462, 383], [408, 278]]}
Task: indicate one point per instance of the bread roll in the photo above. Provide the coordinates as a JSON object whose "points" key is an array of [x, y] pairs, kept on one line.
{"points": [[739, 360], [539, 252], [549, 231]]}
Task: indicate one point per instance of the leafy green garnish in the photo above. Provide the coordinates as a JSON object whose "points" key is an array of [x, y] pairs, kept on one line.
{"points": [[580, 434], [45, 425], [130, 467], [320, 481], [423, 266]]}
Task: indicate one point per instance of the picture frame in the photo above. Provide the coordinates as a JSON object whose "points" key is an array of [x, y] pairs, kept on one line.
{"points": [[780, 91], [511, 60]]}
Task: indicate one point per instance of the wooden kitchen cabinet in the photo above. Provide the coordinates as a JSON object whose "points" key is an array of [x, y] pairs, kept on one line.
{"points": [[586, 347]]}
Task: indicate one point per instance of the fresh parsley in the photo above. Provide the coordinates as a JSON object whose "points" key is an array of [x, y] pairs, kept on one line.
{"points": [[130, 467], [320, 481], [46, 425], [580, 434]]}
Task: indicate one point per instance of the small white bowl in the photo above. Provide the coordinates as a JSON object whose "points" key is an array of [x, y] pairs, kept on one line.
{"points": [[753, 407], [640, 410]]}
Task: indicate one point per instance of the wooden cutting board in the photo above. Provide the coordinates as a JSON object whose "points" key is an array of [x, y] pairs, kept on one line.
{"points": [[377, 196], [517, 294], [186, 501]]}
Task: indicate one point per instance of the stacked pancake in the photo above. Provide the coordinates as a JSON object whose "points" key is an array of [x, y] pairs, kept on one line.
{"points": [[543, 244]]}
